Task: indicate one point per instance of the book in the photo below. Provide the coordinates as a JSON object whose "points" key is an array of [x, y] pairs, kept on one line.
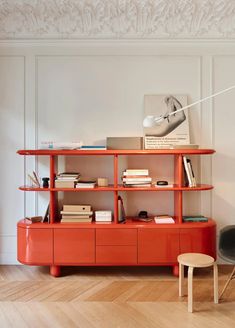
{"points": [[141, 185], [70, 216], [68, 174], [60, 145], [138, 219], [64, 184], [67, 178], [147, 179], [121, 210], [159, 219], [93, 147], [77, 220], [136, 172], [188, 175], [46, 217], [74, 208], [191, 172], [194, 218], [85, 185], [77, 212]]}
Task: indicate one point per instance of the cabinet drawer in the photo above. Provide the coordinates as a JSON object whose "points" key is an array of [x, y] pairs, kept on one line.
{"points": [[74, 246], [116, 255], [116, 237]]}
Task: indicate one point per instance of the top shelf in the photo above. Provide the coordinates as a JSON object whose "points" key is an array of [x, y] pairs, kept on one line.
{"points": [[66, 152]]}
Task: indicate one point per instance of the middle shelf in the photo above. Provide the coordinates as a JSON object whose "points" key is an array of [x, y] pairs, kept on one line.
{"points": [[121, 188]]}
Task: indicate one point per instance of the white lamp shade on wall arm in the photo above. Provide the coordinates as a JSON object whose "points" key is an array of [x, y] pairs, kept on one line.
{"points": [[151, 120]]}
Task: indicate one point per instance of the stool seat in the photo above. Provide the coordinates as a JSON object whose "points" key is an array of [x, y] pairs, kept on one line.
{"points": [[196, 260]]}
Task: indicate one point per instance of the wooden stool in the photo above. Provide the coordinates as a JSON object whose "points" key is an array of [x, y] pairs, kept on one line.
{"points": [[195, 260]]}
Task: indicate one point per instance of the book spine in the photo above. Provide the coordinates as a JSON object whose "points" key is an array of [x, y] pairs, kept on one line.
{"points": [[186, 167], [192, 173]]}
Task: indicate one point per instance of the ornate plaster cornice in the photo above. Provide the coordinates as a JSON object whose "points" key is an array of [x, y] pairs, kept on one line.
{"points": [[117, 19]]}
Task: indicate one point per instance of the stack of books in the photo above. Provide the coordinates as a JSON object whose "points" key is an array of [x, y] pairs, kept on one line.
{"points": [[66, 179], [136, 178], [76, 213], [84, 182], [191, 181]]}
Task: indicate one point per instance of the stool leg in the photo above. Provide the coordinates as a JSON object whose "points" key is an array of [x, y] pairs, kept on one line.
{"points": [[181, 280], [215, 271], [190, 289]]}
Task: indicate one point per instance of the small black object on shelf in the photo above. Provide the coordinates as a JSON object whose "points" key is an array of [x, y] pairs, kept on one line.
{"points": [[162, 183], [45, 182], [143, 214]]}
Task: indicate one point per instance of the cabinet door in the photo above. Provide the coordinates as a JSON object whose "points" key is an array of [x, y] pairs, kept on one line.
{"points": [[35, 246], [74, 246], [198, 240], [159, 245]]}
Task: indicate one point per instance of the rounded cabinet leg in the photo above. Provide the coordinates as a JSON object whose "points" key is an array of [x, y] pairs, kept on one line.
{"points": [[176, 270], [55, 270]]}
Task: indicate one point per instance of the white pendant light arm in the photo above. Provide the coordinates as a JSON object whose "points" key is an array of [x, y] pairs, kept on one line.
{"points": [[199, 101]]}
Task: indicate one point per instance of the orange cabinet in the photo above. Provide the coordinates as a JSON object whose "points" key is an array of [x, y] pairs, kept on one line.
{"points": [[158, 245], [74, 246]]}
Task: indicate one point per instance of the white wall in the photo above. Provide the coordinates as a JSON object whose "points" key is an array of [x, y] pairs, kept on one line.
{"points": [[90, 90]]}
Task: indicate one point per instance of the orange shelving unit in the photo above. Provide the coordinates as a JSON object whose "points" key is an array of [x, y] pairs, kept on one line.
{"points": [[58, 244]]}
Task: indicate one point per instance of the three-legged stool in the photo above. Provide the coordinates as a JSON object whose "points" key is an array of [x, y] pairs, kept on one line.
{"points": [[195, 260]]}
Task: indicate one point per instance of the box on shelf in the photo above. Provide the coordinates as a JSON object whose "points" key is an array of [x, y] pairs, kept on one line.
{"points": [[103, 216], [124, 142]]}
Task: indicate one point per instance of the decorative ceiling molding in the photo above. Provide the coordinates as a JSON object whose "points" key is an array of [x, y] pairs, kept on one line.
{"points": [[117, 19]]}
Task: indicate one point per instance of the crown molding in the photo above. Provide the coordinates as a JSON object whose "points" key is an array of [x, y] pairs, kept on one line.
{"points": [[117, 19]]}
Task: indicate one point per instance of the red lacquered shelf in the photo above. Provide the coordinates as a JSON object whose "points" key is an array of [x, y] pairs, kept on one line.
{"points": [[57, 152], [112, 243], [121, 188]]}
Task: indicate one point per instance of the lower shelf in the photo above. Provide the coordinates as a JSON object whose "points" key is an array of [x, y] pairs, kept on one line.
{"points": [[95, 245]]}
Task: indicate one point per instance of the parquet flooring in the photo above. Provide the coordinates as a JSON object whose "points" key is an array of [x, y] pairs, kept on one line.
{"points": [[110, 297]]}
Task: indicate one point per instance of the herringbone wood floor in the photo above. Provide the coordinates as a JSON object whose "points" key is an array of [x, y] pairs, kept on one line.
{"points": [[110, 298]]}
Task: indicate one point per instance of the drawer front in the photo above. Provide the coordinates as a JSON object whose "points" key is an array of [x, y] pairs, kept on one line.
{"points": [[74, 246], [122, 237], [116, 255]]}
